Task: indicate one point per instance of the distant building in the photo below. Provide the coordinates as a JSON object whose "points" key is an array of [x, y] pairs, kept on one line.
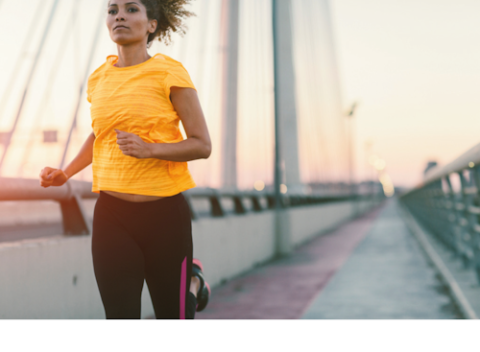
{"points": [[50, 136], [430, 165]]}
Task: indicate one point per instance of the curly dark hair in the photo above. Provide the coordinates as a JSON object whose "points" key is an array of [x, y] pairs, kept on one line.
{"points": [[170, 16]]}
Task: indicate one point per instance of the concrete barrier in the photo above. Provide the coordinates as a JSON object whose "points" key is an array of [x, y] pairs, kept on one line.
{"points": [[53, 278]]}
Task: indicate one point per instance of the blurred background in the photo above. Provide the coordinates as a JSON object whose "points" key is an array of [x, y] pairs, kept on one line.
{"points": [[411, 66], [53, 90]]}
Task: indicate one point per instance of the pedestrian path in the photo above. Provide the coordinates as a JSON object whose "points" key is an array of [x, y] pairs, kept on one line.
{"points": [[282, 289], [370, 268], [387, 277]]}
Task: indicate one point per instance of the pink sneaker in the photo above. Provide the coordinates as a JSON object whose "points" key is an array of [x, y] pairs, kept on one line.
{"points": [[204, 291]]}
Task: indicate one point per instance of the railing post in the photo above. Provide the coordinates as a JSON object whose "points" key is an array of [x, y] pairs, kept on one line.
{"points": [[216, 208], [73, 216], [257, 207], [448, 231], [454, 218], [474, 216], [193, 214], [466, 223], [442, 223], [239, 206]]}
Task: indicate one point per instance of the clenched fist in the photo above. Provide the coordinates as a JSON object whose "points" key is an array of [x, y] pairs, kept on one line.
{"points": [[52, 177], [132, 145]]}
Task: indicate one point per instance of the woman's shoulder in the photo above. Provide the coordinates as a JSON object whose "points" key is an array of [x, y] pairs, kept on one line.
{"points": [[165, 61], [98, 71]]}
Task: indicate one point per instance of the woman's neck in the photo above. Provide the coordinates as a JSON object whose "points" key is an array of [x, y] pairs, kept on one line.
{"points": [[131, 55]]}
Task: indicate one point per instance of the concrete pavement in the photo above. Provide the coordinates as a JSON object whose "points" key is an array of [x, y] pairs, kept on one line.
{"points": [[387, 277], [370, 268]]}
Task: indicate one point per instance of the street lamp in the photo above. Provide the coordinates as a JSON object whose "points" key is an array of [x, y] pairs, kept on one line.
{"points": [[371, 159], [350, 115]]}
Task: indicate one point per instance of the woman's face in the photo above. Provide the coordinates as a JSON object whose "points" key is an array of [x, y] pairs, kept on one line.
{"points": [[128, 23]]}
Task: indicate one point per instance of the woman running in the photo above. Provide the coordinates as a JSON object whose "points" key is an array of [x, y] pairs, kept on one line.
{"points": [[142, 226]]}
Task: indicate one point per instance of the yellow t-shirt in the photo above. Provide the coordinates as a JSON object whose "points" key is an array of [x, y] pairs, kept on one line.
{"points": [[136, 99]]}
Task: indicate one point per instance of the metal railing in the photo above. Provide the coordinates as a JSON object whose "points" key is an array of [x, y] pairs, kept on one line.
{"points": [[75, 221], [447, 203]]}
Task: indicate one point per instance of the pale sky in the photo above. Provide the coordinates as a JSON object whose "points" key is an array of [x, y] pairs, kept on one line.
{"points": [[412, 65]]}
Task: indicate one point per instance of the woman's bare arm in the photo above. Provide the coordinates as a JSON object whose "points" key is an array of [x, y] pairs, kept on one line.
{"points": [[56, 177], [196, 146], [83, 158]]}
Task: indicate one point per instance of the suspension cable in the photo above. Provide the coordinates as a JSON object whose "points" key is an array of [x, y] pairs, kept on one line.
{"points": [[70, 25], [27, 86], [21, 58], [83, 83]]}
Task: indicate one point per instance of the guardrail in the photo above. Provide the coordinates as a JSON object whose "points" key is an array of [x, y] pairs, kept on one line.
{"points": [[74, 216], [447, 203]]}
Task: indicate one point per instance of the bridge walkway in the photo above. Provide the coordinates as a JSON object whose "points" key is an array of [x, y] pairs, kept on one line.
{"points": [[370, 268]]}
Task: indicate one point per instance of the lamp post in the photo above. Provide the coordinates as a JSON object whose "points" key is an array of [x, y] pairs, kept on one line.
{"points": [[351, 141], [370, 162]]}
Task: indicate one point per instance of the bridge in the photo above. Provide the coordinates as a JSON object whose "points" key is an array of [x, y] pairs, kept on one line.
{"points": [[285, 227]]}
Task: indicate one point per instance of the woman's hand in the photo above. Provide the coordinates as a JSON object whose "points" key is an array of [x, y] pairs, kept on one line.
{"points": [[132, 145], [52, 177]]}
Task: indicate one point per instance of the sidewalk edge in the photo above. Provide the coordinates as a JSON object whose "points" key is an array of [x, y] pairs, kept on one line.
{"points": [[457, 293]]}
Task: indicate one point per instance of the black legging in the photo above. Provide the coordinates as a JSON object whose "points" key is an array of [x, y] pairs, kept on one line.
{"points": [[137, 241]]}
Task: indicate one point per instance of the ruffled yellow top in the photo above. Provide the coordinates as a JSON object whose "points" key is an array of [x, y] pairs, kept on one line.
{"points": [[136, 99]]}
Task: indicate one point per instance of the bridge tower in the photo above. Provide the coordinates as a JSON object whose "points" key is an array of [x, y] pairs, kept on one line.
{"points": [[229, 47], [284, 94], [286, 140], [285, 101]]}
